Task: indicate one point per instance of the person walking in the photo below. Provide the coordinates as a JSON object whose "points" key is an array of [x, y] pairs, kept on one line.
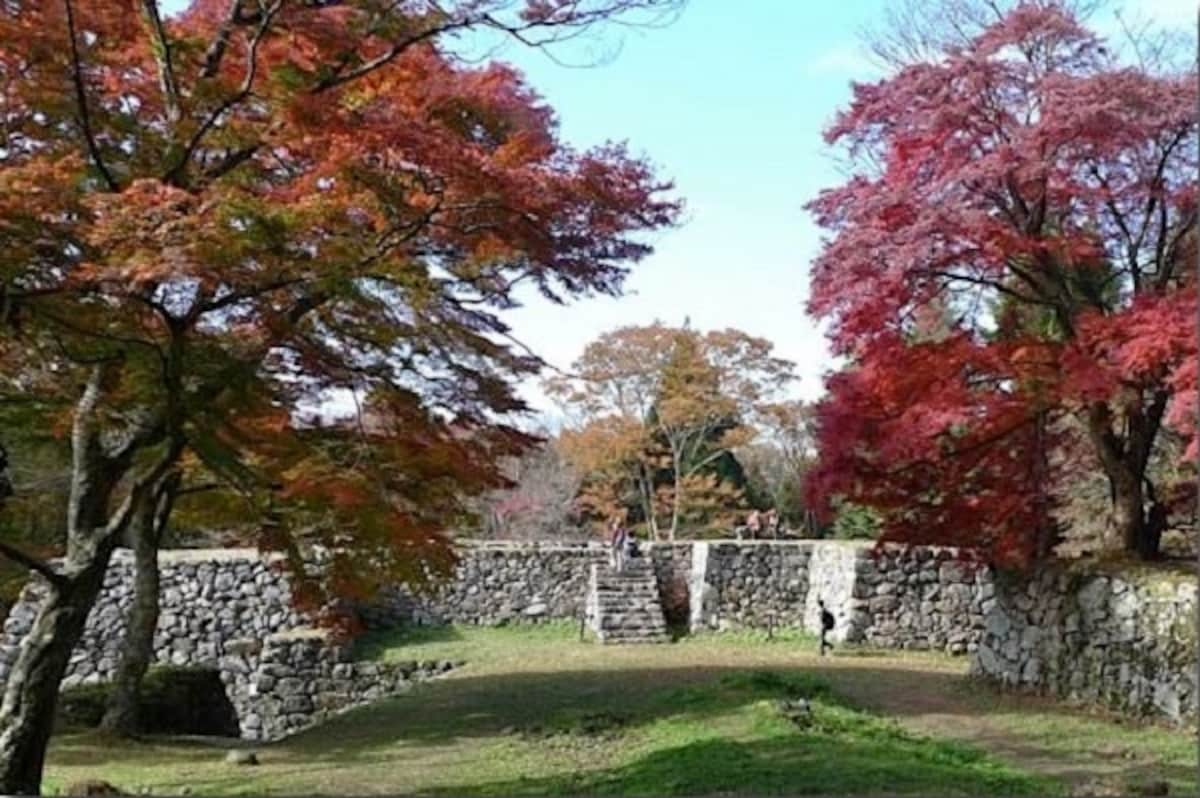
{"points": [[827, 624]]}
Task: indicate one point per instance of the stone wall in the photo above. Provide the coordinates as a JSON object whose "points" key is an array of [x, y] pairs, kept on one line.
{"points": [[210, 599], [751, 584], [1125, 640], [301, 678], [894, 597], [499, 583], [673, 567], [921, 597], [228, 610], [889, 596]]}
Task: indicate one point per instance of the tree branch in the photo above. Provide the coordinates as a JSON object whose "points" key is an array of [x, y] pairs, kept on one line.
{"points": [[174, 175], [220, 42], [338, 78], [161, 49], [32, 563], [85, 122]]}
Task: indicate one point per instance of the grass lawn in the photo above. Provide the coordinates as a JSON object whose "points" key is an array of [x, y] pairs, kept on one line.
{"points": [[536, 711]]}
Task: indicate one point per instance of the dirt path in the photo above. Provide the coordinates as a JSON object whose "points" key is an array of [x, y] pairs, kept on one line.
{"points": [[1032, 732]]}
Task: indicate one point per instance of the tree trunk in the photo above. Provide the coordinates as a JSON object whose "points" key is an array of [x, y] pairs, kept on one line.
{"points": [[1141, 531], [1125, 466], [137, 652], [646, 492], [676, 503], [121, 714], [31, 693]]}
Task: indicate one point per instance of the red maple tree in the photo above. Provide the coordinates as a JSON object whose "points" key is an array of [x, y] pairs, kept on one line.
{"points": [[1015, 249], [218, 222]]}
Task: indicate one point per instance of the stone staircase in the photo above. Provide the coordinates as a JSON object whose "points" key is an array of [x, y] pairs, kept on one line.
{"points": [[625, 607]]}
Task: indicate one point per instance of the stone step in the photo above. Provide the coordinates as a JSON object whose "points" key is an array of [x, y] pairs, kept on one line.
{"points": [[631, 618], [646, 619], [624, 610], [646, 592], [610, 638], [626, 606], [629, 569], [639, 629]]}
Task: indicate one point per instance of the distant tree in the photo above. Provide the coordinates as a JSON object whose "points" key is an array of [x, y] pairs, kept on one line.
{"points": [[671, 400], [539, 503], [216, 223], [1043, 190], [777, 462]]}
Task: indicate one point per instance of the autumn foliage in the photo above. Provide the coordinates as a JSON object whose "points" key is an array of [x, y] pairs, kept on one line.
{"points": [[657, 412], [1015, 248], [252, 208], [270, 240]]}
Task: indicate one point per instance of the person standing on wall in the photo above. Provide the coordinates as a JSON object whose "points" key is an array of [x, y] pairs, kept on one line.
{"points": [[772, 523], [753, 524], [618, 539]]}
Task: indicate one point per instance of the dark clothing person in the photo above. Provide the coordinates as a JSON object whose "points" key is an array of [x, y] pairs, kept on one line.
{"points": [[827, 624]]}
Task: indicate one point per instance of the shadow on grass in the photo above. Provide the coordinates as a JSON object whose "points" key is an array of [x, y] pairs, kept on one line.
{"points": [[496, 708], [794, 765]]}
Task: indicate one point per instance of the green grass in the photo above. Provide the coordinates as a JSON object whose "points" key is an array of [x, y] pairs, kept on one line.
{"points": [[537, 711], [731, 736]]}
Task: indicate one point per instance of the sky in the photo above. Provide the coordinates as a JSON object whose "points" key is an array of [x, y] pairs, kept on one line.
{"points": [[729, 102]]}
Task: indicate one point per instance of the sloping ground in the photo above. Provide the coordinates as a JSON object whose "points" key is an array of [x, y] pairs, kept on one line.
{"points": [[538, 712]]}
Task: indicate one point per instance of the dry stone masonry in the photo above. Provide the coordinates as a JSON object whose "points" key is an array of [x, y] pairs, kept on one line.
{"points": [[886, 596], [1126, 639], [302, 677], [210, 599], [499, 583], [228, 610], [625, 606], [1111, 638]]}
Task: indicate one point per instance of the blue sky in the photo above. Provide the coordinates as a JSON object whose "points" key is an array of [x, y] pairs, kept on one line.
{"points": [[729, 101]]}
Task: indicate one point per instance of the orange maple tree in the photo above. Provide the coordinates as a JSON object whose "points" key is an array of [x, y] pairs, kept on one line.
{"points": [[655, 408], [222, 223]]}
